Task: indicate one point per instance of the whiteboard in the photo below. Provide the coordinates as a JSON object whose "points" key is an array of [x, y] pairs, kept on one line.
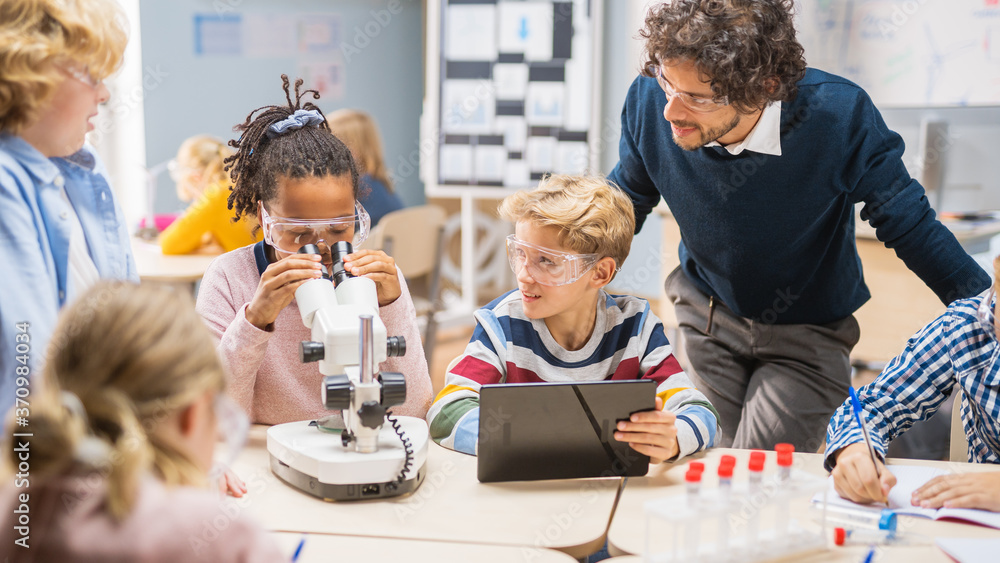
{"points": [[512, 94], [907, 53]]}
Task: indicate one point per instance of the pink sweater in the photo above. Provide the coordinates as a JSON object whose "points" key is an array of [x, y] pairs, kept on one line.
{"points": [[267, 377], [68, 521]]}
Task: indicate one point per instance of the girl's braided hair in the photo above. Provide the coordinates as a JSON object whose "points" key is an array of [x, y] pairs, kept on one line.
{"points": [[310, 151]]}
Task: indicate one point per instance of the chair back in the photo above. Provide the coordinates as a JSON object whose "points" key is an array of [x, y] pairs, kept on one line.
{"points": [[411, 237]]}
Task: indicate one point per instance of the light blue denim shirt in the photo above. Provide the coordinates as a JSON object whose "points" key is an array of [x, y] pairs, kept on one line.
{"points": [[34, 247]]}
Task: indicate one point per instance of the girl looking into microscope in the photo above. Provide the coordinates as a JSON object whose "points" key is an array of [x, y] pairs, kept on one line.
{"points": [[302, 184]]}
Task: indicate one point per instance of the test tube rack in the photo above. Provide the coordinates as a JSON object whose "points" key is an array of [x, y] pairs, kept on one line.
{"points": [[751, 523]]}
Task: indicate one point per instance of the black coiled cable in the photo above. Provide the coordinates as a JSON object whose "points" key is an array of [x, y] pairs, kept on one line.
{"points": [[407, 449]]}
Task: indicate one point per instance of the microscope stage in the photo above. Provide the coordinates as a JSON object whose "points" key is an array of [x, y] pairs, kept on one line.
{"points": [[316, 462]]}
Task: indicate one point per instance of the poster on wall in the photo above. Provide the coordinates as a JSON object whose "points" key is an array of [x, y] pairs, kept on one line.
{"points": [[513, 92]]}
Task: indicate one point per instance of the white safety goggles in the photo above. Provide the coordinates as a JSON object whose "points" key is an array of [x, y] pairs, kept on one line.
{"points": [[232, 427], [547, 266], [288, 235]]}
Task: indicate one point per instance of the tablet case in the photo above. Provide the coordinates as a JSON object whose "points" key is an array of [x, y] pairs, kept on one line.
{"points": [[535, 431]]}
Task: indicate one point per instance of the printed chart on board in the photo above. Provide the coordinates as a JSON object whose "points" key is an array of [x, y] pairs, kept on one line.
{"points": [[908, 53], [516, 95]]}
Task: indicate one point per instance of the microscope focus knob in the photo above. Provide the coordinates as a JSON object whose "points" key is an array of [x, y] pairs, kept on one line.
{"points": [[393, 388], [395, 346], [371, 414], [311, 351], [336, 392]]}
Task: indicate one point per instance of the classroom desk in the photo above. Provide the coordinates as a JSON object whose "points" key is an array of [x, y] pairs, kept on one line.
{"points": [[451, 505], [626, 534], [181, 269], [323, 548]]}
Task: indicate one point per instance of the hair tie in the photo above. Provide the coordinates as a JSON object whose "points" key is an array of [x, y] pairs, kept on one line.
{"points": [[90, 450], [301, 118]]}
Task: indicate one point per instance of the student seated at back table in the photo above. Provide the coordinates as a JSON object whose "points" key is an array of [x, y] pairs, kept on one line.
{"points": [[571, 236], [123, 427], [199, 170], [358, 131], [955, 352]]}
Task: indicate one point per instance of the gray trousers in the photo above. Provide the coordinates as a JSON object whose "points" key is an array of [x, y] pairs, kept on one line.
{"points": [[770, 383]]}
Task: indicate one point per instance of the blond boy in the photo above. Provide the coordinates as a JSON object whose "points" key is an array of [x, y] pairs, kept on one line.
{"points": [[572, 235]]}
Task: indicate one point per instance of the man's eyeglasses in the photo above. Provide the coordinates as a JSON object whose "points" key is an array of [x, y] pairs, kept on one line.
{"points": [[696, 104], [288, 235]]}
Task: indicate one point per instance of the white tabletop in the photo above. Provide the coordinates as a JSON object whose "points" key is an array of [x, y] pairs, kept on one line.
{"points": [[325, 548], [451, 505], [627, 532], [153, 265]]}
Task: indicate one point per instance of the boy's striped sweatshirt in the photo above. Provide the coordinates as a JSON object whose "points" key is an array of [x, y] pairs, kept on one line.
{"points": [[628, 342]]}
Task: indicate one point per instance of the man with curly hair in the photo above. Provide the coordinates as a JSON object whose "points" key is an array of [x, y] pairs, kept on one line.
{"points": [[761, 162]]}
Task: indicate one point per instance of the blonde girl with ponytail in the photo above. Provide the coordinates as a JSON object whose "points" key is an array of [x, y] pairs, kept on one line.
{"points": [[123, 425], [199, 171]]}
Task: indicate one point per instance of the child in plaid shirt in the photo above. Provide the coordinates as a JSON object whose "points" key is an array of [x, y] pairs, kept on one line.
{"points": [[955, 352]]}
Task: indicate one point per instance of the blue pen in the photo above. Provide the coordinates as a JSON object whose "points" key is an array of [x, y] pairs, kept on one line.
{"points": [[298, 550], [856, 406], [871, 552]]}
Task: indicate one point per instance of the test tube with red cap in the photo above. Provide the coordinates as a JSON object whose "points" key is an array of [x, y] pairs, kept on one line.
{"points": [[693, 481], [756, 467], [781, 521], [725, 494], [785, 459], [692, 478], [726, 480]]}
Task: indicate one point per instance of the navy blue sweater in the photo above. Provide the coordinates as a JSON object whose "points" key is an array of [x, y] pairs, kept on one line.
{"points": [[773, 237]]}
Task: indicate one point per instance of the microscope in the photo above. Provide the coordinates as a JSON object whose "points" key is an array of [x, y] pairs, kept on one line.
{"points": [[354, 454]]}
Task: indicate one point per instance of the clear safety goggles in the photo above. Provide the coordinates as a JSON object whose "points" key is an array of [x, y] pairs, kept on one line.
{"points": [[232, 427], [289, 235], [547, 266]]}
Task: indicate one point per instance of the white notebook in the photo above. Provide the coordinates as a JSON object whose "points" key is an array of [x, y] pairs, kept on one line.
{"points": [[908, 479]]}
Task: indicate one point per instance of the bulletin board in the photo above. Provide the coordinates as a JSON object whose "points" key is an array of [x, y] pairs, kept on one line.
{"points": [[512, 93]]}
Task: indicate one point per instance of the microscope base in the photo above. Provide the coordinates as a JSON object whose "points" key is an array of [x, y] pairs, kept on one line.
{"points": [[316, 463]]}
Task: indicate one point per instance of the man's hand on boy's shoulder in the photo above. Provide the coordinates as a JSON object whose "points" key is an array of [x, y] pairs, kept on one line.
{"points": [[653, 433]]}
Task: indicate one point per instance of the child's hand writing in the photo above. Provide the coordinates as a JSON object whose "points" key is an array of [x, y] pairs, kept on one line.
{"points": [[968, 490], [278, 284], [380, 268], [855, 479], [653, 433]]}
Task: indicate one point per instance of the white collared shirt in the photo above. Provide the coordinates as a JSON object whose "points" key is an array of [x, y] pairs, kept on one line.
{"points": [[764, 138]]}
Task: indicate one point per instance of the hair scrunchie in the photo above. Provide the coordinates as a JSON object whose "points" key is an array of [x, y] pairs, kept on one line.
{"points": [[91, 450], [301, 118]]}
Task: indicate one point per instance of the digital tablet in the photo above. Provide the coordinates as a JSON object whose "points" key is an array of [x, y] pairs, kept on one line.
{"points": [[534, 431]]}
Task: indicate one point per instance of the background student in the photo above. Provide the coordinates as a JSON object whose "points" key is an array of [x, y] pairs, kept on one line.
{"points": [[358, 131], [123, 430], [199, 170], [956, 353], [302, 185], [762, 162], [572, 234], [61, 228]]}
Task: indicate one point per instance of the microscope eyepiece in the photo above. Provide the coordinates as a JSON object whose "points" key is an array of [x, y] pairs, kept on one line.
{"points": [[313, 249], [338, 251]]}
